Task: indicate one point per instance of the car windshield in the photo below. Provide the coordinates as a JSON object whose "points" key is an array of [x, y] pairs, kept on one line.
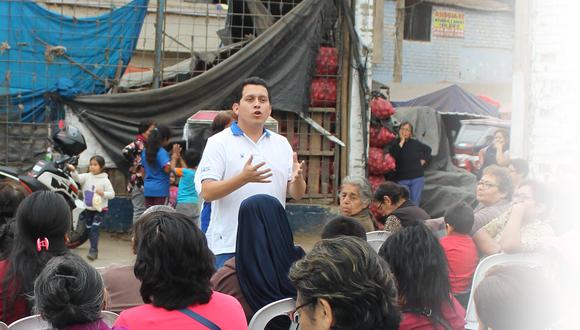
{"points": [[473, 135]]}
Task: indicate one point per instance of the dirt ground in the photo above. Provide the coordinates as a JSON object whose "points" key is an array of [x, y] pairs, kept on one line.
{"points": [[116, 248]]}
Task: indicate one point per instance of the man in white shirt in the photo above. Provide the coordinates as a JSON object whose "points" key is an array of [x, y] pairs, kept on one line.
{"points": [[244, 160]]}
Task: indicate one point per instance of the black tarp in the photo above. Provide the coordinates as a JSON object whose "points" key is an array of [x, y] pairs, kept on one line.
{"points": [[452, 100], [445, 184], [284, 55]]}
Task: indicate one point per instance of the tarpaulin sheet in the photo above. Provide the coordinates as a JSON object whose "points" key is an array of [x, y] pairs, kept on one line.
{"points": [[445, 184], [33, 37], [284, 55], [452, 100]]}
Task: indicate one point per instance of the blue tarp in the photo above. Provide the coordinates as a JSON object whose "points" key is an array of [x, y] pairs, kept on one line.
{"points": [[453, 100], [30, 66]]}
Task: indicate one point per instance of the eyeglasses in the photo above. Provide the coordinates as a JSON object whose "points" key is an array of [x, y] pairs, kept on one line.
{"points": [[486, 184], [294, 315]]}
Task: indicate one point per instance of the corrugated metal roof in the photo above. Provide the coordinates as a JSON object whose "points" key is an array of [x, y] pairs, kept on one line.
{"points": [[487, 5]]}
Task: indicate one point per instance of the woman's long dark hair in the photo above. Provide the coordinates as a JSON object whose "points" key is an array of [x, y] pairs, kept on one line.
{"points": [[42, 215], [419, 264], [156, 138]]}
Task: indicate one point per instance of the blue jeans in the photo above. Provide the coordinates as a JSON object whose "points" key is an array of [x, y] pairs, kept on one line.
{"points": [[415, 187], [220, 259]]}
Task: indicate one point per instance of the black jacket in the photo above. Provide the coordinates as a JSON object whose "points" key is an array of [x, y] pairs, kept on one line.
{"points": [[409, 157]]}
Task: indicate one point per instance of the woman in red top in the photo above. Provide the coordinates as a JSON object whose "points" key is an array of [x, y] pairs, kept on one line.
{"points": [[418, 263], [42, 221], [174, 266]]}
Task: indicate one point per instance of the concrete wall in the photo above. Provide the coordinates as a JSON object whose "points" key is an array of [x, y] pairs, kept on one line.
{"points": [[483, 55]]}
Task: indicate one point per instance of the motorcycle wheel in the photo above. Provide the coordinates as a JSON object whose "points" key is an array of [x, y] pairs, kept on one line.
{"points": [[77, 236]]}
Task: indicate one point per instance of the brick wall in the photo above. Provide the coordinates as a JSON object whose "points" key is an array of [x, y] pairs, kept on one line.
{"points": [[483, 55]]}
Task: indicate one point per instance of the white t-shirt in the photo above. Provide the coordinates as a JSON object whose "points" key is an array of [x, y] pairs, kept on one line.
{"points": [[224, 156]]}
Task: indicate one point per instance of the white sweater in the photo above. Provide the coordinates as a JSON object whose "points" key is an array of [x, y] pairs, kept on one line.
{"points": [[90, 182]]}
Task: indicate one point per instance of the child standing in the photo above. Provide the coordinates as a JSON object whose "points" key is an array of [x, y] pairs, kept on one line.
{"points": [[156, 162], [187, 199], [97, 190], [173, 189]]}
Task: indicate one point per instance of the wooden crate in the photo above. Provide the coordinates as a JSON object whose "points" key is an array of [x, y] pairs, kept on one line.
{"points": [[319, 154]]}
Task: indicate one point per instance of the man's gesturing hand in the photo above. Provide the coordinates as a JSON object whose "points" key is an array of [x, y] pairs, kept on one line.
{"points": [[296, 168], [252, 173]]}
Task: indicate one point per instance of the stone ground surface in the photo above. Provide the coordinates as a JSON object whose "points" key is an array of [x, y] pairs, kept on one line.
{"points": [[116, 248]]}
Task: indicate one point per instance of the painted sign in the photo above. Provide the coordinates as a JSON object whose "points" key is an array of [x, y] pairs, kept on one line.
{"points": [[450, 24]]}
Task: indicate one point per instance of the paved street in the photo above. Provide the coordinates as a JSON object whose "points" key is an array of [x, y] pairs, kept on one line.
{"points": [[116, 248]]}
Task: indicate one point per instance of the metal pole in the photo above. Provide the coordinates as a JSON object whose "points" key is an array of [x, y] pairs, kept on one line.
{"points": [[159, 25]]}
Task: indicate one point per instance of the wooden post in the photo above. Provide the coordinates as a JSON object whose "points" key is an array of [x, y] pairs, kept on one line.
{"points": [[399, 35]]}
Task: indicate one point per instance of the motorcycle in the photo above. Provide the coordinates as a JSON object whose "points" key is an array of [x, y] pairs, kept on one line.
{"points": [[54, 176]]}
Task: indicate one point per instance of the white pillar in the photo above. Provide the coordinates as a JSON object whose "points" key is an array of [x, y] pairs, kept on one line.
{"points": [[364, 26]]}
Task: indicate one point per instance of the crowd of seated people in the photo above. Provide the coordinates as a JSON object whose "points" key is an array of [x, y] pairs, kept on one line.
{"points": [[417, 280]]}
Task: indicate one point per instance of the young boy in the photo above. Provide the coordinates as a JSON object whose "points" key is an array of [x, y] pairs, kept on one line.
{"points": [[187, 199], [461, 252]]}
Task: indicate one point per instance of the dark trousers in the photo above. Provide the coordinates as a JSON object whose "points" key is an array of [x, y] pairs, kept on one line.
{"points": [[93, 220]]}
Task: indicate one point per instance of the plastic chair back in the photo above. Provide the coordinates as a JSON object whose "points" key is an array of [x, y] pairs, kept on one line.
{"points": [[377, 238], [522, 259], [35, 322], [270, 311]]}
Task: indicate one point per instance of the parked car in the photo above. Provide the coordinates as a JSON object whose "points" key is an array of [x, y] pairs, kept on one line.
{"points": [[474, 135]]}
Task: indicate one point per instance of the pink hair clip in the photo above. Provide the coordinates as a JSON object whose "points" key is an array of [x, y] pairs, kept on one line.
{"points": [[41, 243]]}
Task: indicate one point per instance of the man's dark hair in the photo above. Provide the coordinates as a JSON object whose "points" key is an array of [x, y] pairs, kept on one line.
{"points": [[191, 158], [144, 125], [343, 226], [521, 166], [419, 264], [460, 216], [174, 263], [253, 81]]}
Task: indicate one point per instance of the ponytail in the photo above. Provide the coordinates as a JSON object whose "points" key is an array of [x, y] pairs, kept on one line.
{"points": [[156, 138]]}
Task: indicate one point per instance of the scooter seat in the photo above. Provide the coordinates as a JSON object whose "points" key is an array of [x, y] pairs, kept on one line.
{"points": [[32, 183]]}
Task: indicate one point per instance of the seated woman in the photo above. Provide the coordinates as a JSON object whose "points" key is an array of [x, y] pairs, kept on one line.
{"points": [[355, 198], [420, 268], [392, 200], [258, 274], [11, 195], [42, 221], [69, 294], [120, 281], [493, 193], [523, 227], [174, 266], [343, 284], [517, 298]]}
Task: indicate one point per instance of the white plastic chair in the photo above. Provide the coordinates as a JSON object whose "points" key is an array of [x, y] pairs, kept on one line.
{"points": [[109, 317], [521, 259], [270, 311], [35, 322], [377, 238], [3, 326]]}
